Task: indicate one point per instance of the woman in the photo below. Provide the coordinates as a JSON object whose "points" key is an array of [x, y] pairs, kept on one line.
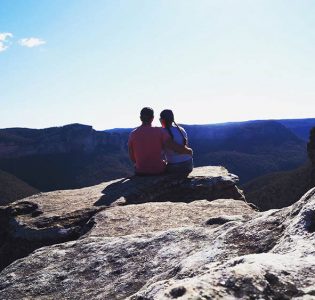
{"points": [[176, 163]]}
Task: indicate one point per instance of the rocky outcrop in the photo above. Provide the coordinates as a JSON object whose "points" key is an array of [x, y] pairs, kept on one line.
{"points": [[60, 216], [203, 183], [198, 250]]}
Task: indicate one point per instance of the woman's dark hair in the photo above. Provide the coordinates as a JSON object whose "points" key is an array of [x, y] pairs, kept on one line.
{"points": [[168, 116]]}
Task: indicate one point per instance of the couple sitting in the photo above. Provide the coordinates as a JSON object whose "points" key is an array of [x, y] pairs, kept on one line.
{"points": [[156, 150]]}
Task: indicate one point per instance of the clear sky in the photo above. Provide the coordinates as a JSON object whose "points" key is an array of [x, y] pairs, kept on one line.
{"points": [[99, 62]]}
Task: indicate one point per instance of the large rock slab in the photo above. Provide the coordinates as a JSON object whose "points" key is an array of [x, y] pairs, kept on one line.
{"points": [[55, 217], [268, 255], [284, 271], [160, 216]]}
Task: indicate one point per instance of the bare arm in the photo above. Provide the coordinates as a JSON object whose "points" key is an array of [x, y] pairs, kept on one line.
{"points": [[131, 154], [170, 144]]}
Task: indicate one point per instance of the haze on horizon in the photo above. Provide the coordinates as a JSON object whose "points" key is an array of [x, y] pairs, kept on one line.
{"points": [[99, 62]]}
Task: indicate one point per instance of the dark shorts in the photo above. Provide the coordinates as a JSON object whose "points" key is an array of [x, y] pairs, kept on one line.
{"points": [[182, 167], [148, 174]]}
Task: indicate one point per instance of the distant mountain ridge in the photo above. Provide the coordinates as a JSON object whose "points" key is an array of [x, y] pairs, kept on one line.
{"points": [[249, 149], [76, 155], [300, 127], [281, 189], [71, 156], [278, 189], [18, 142]]}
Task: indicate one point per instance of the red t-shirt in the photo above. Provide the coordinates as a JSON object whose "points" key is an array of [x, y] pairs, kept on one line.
{"points": [[147, 144]]}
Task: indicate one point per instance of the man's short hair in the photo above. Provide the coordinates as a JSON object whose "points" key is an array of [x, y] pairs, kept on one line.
{"points": [[146, 114]]}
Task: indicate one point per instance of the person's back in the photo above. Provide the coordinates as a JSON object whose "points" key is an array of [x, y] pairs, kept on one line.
{"points": [[173, 157], [177, 162], [147, 143]]}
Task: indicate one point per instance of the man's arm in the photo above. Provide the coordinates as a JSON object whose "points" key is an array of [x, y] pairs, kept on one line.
{"points": [[130, 150], [181, 149], [131, 154]]}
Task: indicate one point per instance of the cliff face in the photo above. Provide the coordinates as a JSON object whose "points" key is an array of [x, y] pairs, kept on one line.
{"points": [[279, 189], [19, 142], [282, 189], [71, 156], [12, 189], [115, 245]]}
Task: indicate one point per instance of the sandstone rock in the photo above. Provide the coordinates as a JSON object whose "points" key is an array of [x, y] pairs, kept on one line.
{"points": [[156, 216], [55, 217], [203, 183], [268, 255], [285, 271]]}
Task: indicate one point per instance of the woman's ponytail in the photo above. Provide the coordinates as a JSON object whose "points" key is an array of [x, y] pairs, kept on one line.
{"points": [[168, 117], [181, 132], [168, 128]]}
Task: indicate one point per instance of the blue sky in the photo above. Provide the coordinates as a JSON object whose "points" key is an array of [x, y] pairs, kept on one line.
{"points": [[99, 62]]}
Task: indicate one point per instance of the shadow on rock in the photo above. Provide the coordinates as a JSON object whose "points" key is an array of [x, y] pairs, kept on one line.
{"points": [[138, 189], [207, 183]]}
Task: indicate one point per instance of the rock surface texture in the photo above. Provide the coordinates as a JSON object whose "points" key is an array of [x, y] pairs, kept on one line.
{"points": [[55, 217], [128, 249]]}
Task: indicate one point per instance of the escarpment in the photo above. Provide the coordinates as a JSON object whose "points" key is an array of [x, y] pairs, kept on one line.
{"points": [[67, 157], [282, 189], [193, 238]]}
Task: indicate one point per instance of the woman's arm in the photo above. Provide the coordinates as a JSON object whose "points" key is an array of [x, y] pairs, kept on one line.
{"points": [[181, 149]]}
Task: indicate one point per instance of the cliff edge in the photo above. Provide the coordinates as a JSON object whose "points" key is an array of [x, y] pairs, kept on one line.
{"points": [[55, 217], [106, 244]]}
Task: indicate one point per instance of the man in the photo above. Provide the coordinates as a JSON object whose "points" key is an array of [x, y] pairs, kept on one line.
{"points": [[146, 144]]}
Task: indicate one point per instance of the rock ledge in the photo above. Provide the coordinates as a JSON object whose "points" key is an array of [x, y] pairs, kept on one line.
{"points": [[60, 216]]}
